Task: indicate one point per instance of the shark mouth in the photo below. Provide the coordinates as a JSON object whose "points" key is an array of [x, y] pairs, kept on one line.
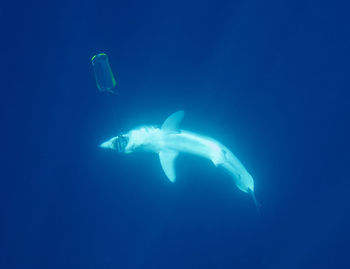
{"points": [[121, 142]]}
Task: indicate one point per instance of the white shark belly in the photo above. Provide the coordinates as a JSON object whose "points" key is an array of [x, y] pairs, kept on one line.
{"points": [[187, 142]]}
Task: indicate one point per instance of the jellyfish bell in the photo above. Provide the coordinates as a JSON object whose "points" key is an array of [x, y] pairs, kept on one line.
{"points": [[104, 77]]}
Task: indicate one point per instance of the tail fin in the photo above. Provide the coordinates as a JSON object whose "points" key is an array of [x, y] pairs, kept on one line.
{"points": [[257, 204]]}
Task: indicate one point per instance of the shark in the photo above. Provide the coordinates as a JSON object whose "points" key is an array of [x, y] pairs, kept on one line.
{"points": [[169, 141]]}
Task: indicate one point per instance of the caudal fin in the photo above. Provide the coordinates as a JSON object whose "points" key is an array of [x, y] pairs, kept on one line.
{"points": [[257, 204]]}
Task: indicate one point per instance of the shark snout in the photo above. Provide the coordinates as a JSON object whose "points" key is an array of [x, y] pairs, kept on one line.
{"points": [[109, 144], [105, 145]]}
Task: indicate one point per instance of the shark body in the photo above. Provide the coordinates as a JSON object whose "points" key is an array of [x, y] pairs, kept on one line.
{"points": [[168, 141]]}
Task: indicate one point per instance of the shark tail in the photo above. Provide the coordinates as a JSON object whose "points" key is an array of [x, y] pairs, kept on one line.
{"points": [[256, 202]]}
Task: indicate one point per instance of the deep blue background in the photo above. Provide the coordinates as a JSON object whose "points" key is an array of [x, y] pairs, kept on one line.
{"points": [[268, 79]]}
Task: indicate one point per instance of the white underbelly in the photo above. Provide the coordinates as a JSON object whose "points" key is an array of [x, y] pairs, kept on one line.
{"points": [[187, 142]]}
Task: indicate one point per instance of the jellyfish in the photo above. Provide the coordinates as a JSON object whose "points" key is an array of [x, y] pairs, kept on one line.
{"points": [[105, 80]]}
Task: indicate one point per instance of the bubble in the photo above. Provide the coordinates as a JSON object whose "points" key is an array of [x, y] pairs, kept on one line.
{"points": [[105, 80]]}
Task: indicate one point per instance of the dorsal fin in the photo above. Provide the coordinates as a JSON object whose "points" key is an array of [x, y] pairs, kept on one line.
{"points": [[173, 121]]}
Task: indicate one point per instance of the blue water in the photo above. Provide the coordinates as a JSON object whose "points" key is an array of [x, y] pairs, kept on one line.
{"points": [[268, 80]]}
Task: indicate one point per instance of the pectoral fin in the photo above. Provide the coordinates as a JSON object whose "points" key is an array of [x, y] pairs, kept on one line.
{"points": [[167, 160]]}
